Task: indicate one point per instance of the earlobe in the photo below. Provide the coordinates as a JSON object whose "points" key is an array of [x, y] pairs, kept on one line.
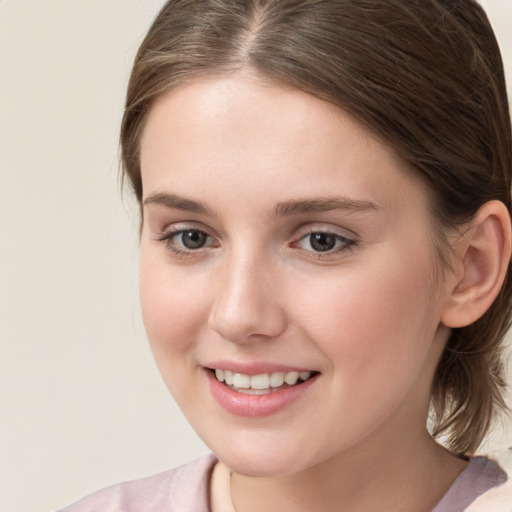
{"points": [[483, 259]]}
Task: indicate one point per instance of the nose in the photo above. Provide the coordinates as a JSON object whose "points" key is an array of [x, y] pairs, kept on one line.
{"points": [[247, 305]]}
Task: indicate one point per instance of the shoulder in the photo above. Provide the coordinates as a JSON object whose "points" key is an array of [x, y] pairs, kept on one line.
{"points": [[496, 499], [183, 489], [481, 477]]}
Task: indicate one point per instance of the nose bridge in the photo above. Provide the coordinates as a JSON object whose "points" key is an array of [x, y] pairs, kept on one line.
{"points": [[246, 306]]}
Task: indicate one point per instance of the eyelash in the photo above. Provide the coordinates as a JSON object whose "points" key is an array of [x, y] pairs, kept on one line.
{"points": [[167, 238], [345, 243]]}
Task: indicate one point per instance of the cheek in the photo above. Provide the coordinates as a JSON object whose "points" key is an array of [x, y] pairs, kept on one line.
{"points": [[374, 320], [173, 307], [173, 311], [376, 333]]}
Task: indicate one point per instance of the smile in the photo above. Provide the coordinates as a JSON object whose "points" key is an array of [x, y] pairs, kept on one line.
{"points": [[258, 394], [263, 383]]}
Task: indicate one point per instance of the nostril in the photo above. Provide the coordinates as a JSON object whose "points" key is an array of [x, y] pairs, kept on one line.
{"points": [[247, 322], [246, 305]]}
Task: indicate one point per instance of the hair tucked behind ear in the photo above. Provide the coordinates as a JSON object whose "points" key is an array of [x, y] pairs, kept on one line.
{"points": [[425, 75], [469, 382]]}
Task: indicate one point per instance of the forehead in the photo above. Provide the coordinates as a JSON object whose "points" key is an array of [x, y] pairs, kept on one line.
{"points": [[258, 135]]}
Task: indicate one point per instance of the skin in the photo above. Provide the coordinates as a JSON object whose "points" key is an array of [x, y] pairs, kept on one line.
{"points": [[366, 316]]}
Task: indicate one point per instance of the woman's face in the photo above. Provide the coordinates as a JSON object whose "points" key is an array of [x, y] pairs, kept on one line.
{"points": [[282, 242]]}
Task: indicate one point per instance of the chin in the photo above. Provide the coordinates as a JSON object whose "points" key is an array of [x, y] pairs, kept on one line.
{"points": [[265, 455], [260, 465]]}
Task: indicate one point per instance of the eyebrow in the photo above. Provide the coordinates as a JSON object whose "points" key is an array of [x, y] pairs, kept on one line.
{"points": [[327, 204], [176, 202], [283, 209]]}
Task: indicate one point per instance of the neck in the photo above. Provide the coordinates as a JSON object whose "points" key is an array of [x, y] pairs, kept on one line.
{"points": [[409, 473]]}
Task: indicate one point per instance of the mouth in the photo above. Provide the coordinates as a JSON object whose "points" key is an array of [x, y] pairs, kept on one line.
{"points": [[263, 383]]}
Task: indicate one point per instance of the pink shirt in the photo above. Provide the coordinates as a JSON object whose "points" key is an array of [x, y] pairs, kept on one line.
{"points": [[186, 489]]}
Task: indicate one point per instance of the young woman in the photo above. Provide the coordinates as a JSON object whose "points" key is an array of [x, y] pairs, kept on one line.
{"points": [[325, 193]]}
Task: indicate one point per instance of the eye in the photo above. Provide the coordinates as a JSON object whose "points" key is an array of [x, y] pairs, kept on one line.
{"points": [[325, 242], [322, 242], [191, 238], [183, 242]]}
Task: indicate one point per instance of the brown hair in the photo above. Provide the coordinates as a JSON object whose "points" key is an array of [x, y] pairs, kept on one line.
{"points": [[425, 75]]}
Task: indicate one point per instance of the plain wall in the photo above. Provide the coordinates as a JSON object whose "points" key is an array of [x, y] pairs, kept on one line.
{"points": [[82, 404]]}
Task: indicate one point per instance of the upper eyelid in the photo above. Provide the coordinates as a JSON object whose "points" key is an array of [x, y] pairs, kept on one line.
{"points": [[348, 241], [178, 227], [172, 232], [320, 227]]}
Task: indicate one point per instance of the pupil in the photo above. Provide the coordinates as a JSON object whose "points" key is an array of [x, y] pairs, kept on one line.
{"points": [[322, 241], [193, 239]]}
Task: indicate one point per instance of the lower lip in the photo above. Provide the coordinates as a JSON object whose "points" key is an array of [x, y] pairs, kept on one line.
{"points": [[242, 404]]}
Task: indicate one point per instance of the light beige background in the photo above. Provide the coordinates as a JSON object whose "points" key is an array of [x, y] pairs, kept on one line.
{"points": [[82, 405]]}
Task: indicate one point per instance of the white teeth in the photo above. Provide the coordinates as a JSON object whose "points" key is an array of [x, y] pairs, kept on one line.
{"points": [[228, 377], [259, 384], [291, 378], [250, 391], [276, 379], [260, 381], [240, 380]]}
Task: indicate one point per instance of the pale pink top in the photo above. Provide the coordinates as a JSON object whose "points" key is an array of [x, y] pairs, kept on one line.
{"points": [[186, 489]]}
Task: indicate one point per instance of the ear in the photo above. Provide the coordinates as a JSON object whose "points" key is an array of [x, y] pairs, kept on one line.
{"points": [[482, 258]]}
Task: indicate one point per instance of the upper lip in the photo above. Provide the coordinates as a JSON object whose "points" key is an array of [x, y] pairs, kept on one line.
{"points": [[255, 368]]}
